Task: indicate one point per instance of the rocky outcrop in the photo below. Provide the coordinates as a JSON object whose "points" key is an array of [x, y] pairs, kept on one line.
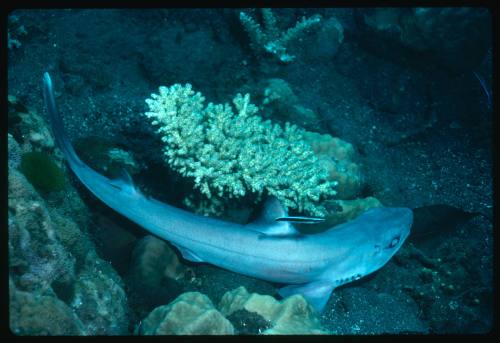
{"points": [[191, 313], [58, 283]]}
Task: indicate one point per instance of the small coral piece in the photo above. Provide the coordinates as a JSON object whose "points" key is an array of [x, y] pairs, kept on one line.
{"points": [[102, 155], [271, 39], [231, 154]]}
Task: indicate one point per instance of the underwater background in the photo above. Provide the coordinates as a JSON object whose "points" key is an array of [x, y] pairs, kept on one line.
{"points": [[391, 106]]}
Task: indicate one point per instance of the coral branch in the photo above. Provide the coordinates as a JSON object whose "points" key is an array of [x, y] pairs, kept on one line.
{"points": [[270, 39]]}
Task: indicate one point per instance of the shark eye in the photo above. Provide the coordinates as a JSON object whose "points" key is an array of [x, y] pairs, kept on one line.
{"points": [[394, 242]]}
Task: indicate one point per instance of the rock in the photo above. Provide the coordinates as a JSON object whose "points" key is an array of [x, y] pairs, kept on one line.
{"points": [[61, 285], [351, 209], [36, 314], [338, 157], [279, 101], [38, 257], [114, 239], [291, 316], [153, 258], [191, 313], [325, 42], [75, 241], [26, 124], [42, 263], [99, 299], [456, 38], [279, 92], [156, 276], [15, 152]]}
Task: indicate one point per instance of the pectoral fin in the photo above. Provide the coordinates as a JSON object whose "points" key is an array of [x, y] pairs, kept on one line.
{"points": [[189, 255], [316, 293]]}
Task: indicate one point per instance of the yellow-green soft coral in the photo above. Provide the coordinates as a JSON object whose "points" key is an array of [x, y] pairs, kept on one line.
{"points": [[230, 151]]}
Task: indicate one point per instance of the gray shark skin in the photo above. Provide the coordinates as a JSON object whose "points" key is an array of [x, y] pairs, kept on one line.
{"points": [[269, 249]]}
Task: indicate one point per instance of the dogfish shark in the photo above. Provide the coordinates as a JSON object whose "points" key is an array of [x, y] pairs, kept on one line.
{"points": [[269, 248]]}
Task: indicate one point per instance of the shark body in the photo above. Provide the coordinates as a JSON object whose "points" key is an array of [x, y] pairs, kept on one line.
{"points": [[267, 248]]}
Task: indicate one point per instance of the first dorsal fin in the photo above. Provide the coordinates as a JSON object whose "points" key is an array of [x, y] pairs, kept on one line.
{"points": [[275, 221], [271, 210], [267, 222]]}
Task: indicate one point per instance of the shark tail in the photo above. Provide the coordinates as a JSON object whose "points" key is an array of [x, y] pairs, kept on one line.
{"points": [[57, 124], [124, 183]]}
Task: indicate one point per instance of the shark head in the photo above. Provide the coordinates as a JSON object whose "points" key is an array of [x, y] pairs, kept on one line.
{"points": [[369, 242], [359, 247], [390, 228]]}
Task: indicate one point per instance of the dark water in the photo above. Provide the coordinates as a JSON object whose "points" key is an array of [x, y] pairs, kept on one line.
{"points": [[402, 98]]}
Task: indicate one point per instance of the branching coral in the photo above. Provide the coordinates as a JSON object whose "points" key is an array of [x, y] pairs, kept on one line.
{"points": [[270, 38], [230, 154]]}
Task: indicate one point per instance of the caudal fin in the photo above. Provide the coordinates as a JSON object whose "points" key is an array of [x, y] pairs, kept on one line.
{"points": [[57, 124]]}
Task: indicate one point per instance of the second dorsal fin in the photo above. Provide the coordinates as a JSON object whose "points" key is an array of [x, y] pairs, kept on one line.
{"points": [[124, 182]]}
